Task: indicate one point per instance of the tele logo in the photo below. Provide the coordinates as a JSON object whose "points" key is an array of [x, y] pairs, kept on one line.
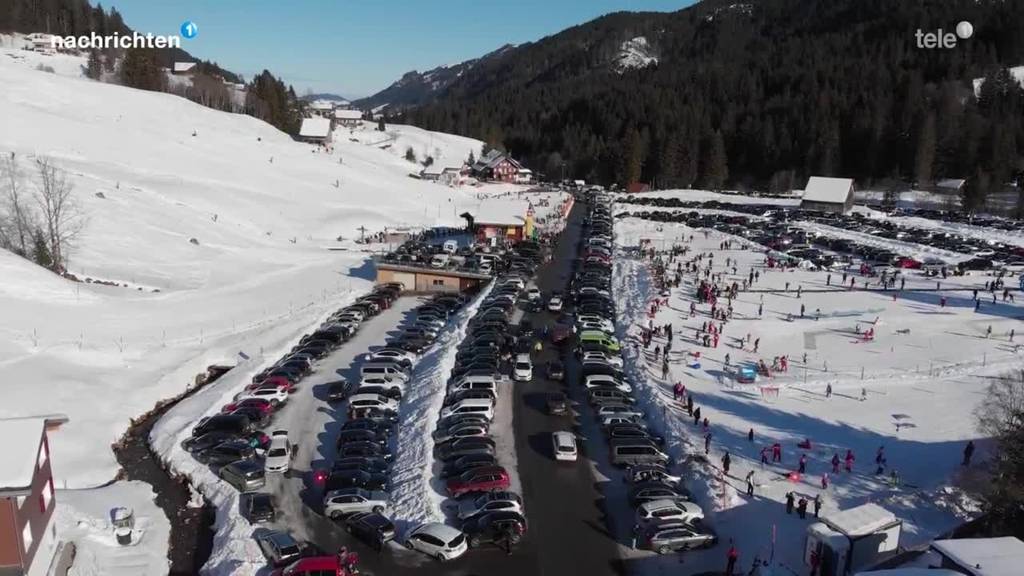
{"points": [[943, 39]]}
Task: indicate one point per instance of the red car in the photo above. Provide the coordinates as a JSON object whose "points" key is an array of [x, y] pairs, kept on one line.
{"points": [[277, 381], [261, 403], [483, 479], [315, 566], [908, 262]]}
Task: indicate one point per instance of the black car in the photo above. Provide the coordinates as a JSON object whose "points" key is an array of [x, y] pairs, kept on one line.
{"points": [[337, 390], [393, 392], [371, 465], [208, 440], [355, 435], [234, 423], [363, 449], [557, 404], [495, 528], [381, 428], [370, 527], [374, 413], [556, 370], [339, 479], [227, 453], [259, 507], [465, 463], [254, 414]]}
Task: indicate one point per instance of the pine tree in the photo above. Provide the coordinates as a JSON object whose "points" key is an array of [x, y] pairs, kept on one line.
{"points": [[925, 160], [633, 157], [715, 170], [94, 67], [41, 251], [380, 124]]}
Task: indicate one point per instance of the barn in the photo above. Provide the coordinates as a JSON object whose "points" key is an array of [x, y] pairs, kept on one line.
{"points": [[824, 194]]}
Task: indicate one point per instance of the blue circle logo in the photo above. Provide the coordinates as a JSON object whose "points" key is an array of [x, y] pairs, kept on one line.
{"points": [[189, 29]]}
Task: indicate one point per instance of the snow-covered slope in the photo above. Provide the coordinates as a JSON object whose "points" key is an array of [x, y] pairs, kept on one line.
{"points": [[446, 149], [635, 53], [152, 172]]}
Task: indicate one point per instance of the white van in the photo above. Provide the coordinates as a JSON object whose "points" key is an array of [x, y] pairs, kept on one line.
{"points": [[481, 406], [475, 383], [381, 370], [473, 379]]}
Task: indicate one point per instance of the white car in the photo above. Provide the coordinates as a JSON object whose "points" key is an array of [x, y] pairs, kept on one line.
{"points": [[358, 401], [605, 381], [522, 368], [596, 355], [382, 381], [279, 453], [555, 304], [339, 503], [502, 501], [564, 446], [274, 394], [514, 281], [533, 294], [664, 510], [605, 327], [437, 541], [391, 354]]}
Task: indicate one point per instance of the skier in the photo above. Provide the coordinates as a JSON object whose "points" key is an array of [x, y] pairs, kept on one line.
{"points": [[824, 481], [803, 464], [750, 483], [801, 508], [726, 462], [849, 460], [776, 452], [828, 389], [750, 435], [835, 462], [968, 452], [789, 502], [764, 456], [757, 342]]}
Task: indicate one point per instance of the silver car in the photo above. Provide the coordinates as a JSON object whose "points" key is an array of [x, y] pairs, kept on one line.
{"points": [[244, 475], [676, 536]]}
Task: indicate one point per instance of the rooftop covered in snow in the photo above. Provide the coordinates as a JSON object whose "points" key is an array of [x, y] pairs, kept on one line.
{"points": [[860, 521], [348, 114], [832, 190], [500, 212], [315, 128], [19, 450], [984, 556]]}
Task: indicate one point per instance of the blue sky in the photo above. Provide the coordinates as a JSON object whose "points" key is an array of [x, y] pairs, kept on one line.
{"points": [[357, 47]]}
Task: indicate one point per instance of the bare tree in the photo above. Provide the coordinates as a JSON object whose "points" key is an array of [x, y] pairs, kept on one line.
{"points": [[62, 218], [20, 219], [1001, 416]]}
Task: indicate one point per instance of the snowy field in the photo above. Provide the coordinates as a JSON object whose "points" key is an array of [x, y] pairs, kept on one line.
{"points": [[920, 379], [152, 172]]}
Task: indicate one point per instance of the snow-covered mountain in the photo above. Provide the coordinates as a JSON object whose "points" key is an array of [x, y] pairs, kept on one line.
{"points": [[215, 228]]}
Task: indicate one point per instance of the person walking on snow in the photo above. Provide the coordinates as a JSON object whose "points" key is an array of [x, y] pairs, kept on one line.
{"points": [[707, 443], [726, 462], [731, 559], [750, 435], [776, 452], [803, 464], [696, 416], [750, 483], [835, 463], [801, 508], [849, 460], [789, 502], [968, 452], [828, 389], [824, 481], [817, 505]]}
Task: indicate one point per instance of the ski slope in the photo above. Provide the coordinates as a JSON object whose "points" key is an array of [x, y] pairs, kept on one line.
{"points": [[216, 228]]}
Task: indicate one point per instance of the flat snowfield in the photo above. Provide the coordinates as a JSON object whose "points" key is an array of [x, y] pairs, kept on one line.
{"points": [[910, 391], [215, 228]]}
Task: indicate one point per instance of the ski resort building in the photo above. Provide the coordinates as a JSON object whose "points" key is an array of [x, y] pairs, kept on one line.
{"points": [[348, 118], [497, 165], [183, 68], [828, 195], [28, 535], [511, 220], [316, 130]]}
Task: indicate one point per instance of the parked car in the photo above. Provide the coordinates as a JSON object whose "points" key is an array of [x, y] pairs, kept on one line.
{"points": [[522, 368], [668, 509], [556, 371], [674, 536], [460, 465], [498, 501], [483, 479], [259, 507], [226, 453], [437, 540], [495, 527], [312, 566], [279, 548], [372, 528], [337, 390], [557, 404], [244, 475], [339, 503]]}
